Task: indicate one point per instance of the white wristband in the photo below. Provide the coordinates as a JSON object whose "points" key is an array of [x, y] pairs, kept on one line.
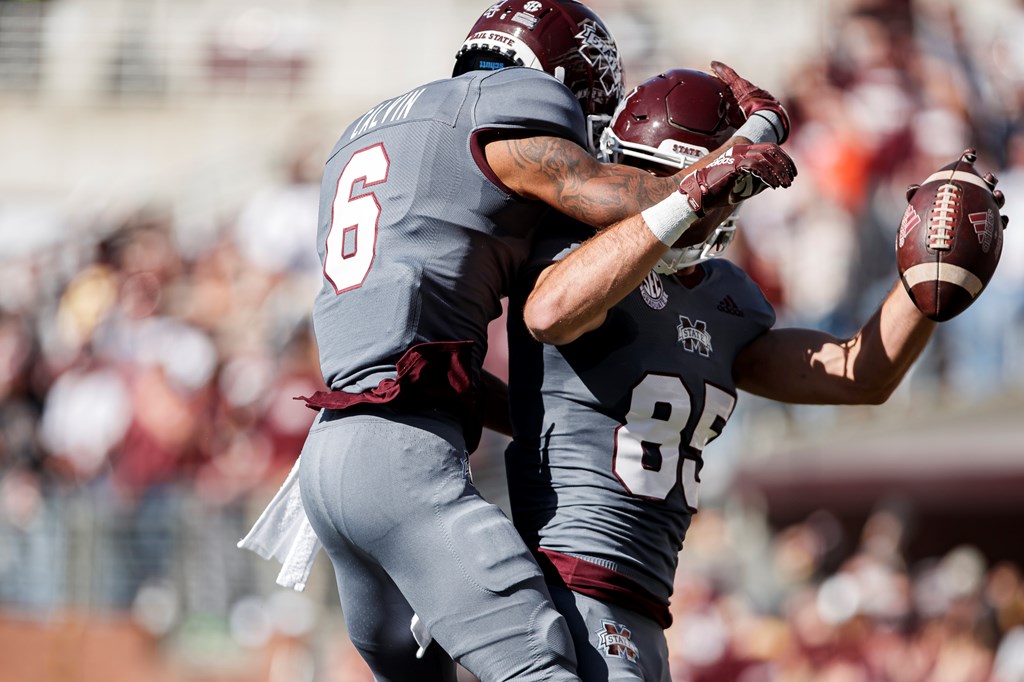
{"points": [[761, 126], [670, 218]]}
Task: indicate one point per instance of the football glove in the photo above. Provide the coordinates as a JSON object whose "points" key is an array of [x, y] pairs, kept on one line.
{"points": [[743, 171], [752, 98]]}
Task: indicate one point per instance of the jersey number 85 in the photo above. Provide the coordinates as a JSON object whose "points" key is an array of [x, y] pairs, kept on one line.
{"points": [[649, 445]]}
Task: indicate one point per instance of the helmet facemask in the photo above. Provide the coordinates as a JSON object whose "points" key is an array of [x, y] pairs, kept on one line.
{"points": [[676, 259]]}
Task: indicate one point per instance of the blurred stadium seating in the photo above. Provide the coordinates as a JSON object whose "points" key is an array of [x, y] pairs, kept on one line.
{"points": [[157, 212]]}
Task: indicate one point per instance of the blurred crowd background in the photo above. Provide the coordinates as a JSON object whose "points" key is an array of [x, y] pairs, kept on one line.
{"points": [[158, 197]]}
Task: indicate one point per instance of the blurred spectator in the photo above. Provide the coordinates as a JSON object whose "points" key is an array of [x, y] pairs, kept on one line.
{"points": [[277, 225], [996, 321]]}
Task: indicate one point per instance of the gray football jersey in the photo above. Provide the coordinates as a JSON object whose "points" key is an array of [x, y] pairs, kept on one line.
{"points": [[418, 240], [610, 429]]}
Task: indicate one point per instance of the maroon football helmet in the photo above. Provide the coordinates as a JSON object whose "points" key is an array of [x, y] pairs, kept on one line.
{"points": [[564, 38], [666, 123]]}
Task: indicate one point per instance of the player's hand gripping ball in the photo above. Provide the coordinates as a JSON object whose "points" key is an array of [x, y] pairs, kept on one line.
{"points": [[950, 238]]}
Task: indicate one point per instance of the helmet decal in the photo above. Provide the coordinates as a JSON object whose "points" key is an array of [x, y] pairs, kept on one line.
{"points": [[493, 9], [598, 49]]}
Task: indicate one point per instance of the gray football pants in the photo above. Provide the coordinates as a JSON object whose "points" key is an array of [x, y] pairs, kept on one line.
{"points": [[390, 498]]}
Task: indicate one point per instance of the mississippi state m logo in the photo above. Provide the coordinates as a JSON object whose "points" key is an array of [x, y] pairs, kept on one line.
{"points": [[615, 642], [693, 336]]}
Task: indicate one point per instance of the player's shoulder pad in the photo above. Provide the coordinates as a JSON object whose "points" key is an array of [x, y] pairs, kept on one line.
{"points": [[744, 291], [522, 98]]}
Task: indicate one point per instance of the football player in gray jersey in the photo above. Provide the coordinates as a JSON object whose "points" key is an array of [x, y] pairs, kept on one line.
{"points": [[645, 343], [428, 205]]}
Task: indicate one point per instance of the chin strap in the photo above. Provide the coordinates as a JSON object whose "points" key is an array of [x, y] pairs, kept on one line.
{"points": [[673, 261]]}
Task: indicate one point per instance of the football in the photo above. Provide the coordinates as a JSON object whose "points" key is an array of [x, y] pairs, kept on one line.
{"points": [[950, 238]]}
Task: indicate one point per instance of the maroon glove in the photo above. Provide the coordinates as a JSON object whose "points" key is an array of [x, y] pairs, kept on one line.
{"points": [[741, 172], [752, 98]]}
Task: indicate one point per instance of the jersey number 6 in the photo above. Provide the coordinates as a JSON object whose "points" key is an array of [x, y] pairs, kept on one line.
{"points": [[352, 238], [648, 445]]}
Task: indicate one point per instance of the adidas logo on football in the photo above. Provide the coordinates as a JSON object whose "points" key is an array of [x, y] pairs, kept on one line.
{"points": [[727, 305]]}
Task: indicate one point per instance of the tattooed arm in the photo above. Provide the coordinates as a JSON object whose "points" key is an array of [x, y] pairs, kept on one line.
{"points": [[563, 175], [573, 296]]}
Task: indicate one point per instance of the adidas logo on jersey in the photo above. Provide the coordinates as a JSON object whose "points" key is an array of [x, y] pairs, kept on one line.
{"points": [[727, 305]]}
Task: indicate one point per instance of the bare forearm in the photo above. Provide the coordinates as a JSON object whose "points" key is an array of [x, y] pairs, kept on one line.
{"points": [[890, 342], [812, 367], [573, 296]]}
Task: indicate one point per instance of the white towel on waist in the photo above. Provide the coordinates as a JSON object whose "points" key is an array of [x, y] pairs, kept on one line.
{"points": [[282, 532], [421, 634]]}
